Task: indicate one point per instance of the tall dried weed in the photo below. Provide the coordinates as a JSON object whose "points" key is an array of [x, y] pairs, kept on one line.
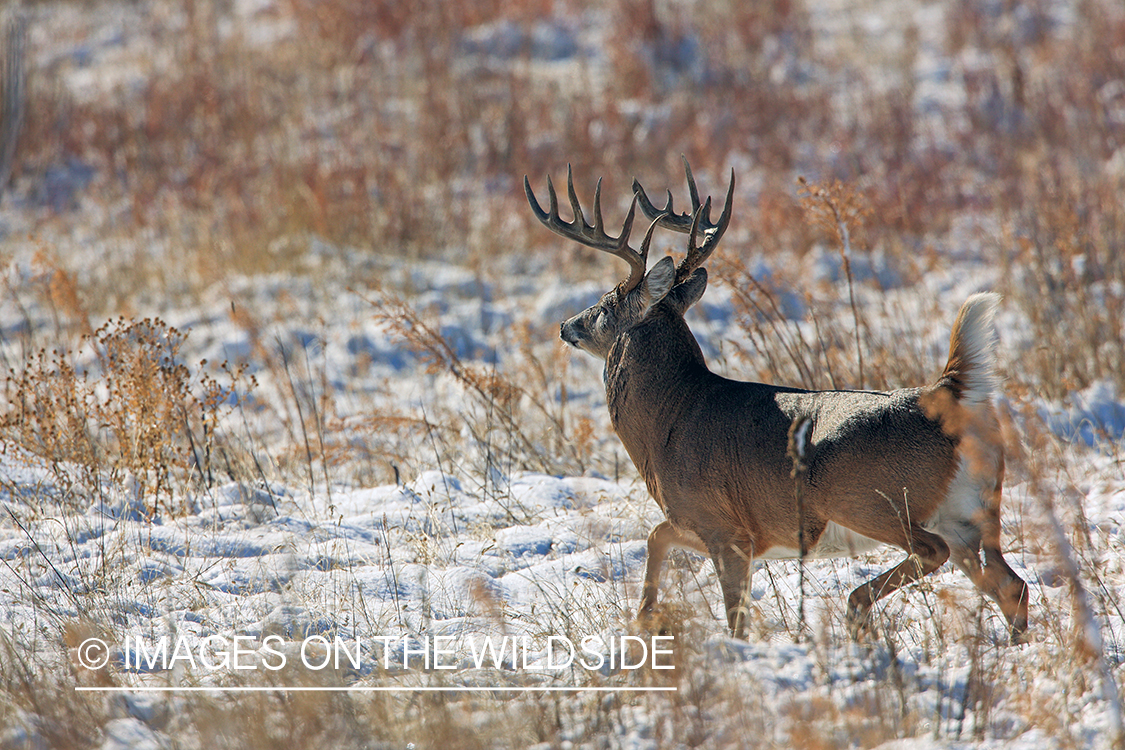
{"points": [[134, 413]]}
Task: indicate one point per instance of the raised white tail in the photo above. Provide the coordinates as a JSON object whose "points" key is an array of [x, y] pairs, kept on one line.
{"points": [[971, 370]]}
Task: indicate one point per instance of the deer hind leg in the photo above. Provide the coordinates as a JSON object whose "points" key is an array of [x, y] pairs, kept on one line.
{"points": [[928, 552], [1011, 592], [992, 575], [664, 536], [995, 578]]}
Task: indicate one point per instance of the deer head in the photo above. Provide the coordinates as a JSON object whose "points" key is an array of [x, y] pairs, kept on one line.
{"points": [[629, 303]]}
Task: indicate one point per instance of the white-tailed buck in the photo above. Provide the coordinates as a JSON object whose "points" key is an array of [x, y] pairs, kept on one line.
{"points": [[917, 468]]}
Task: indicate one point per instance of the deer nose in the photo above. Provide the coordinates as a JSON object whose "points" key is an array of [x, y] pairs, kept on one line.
{"points": [[567, 334]]}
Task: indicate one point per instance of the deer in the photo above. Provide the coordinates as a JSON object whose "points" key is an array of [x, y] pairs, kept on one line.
{"points": [[918, 468]]}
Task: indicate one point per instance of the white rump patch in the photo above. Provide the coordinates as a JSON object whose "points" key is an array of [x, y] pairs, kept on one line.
{"points": [[959, 515]]}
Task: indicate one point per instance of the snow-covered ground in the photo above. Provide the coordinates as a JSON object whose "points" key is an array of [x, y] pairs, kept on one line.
{"points": [[386, 577], [394, 557]]}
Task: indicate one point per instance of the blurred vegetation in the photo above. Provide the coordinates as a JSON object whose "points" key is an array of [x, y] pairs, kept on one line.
{"points": [[406, 131]]}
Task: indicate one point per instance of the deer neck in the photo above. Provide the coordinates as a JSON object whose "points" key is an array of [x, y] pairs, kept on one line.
{"points": [[652, 373]]}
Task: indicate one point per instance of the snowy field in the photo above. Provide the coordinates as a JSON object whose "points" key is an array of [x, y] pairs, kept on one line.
{"points": [[396, 514]]}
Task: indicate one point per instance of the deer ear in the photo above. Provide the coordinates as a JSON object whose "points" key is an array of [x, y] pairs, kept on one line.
{"points": [[658, 281], [687, 293]]}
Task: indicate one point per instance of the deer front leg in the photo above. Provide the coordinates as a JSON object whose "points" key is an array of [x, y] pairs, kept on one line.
{"points": [[664, 536], [733, 566]]}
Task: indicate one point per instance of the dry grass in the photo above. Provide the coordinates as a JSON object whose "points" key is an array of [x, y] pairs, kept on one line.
{"points": [[517, 416], [240, 147], [131, 412]]}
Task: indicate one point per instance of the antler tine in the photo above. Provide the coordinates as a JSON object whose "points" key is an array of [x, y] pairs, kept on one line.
{"points": [[669, 219], [598, 207], [575, 207], [667, 216], [697, 256], [698, 220], [591, 236], [694, 257], [648, 236], [692, 189]]}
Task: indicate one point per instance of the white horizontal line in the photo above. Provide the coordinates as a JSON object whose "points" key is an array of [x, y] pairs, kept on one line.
{"points": [[370, 689]]}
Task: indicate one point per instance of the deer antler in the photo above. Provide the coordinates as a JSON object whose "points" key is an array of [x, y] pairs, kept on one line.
{"points": [[699, 218], [593, 236]]}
